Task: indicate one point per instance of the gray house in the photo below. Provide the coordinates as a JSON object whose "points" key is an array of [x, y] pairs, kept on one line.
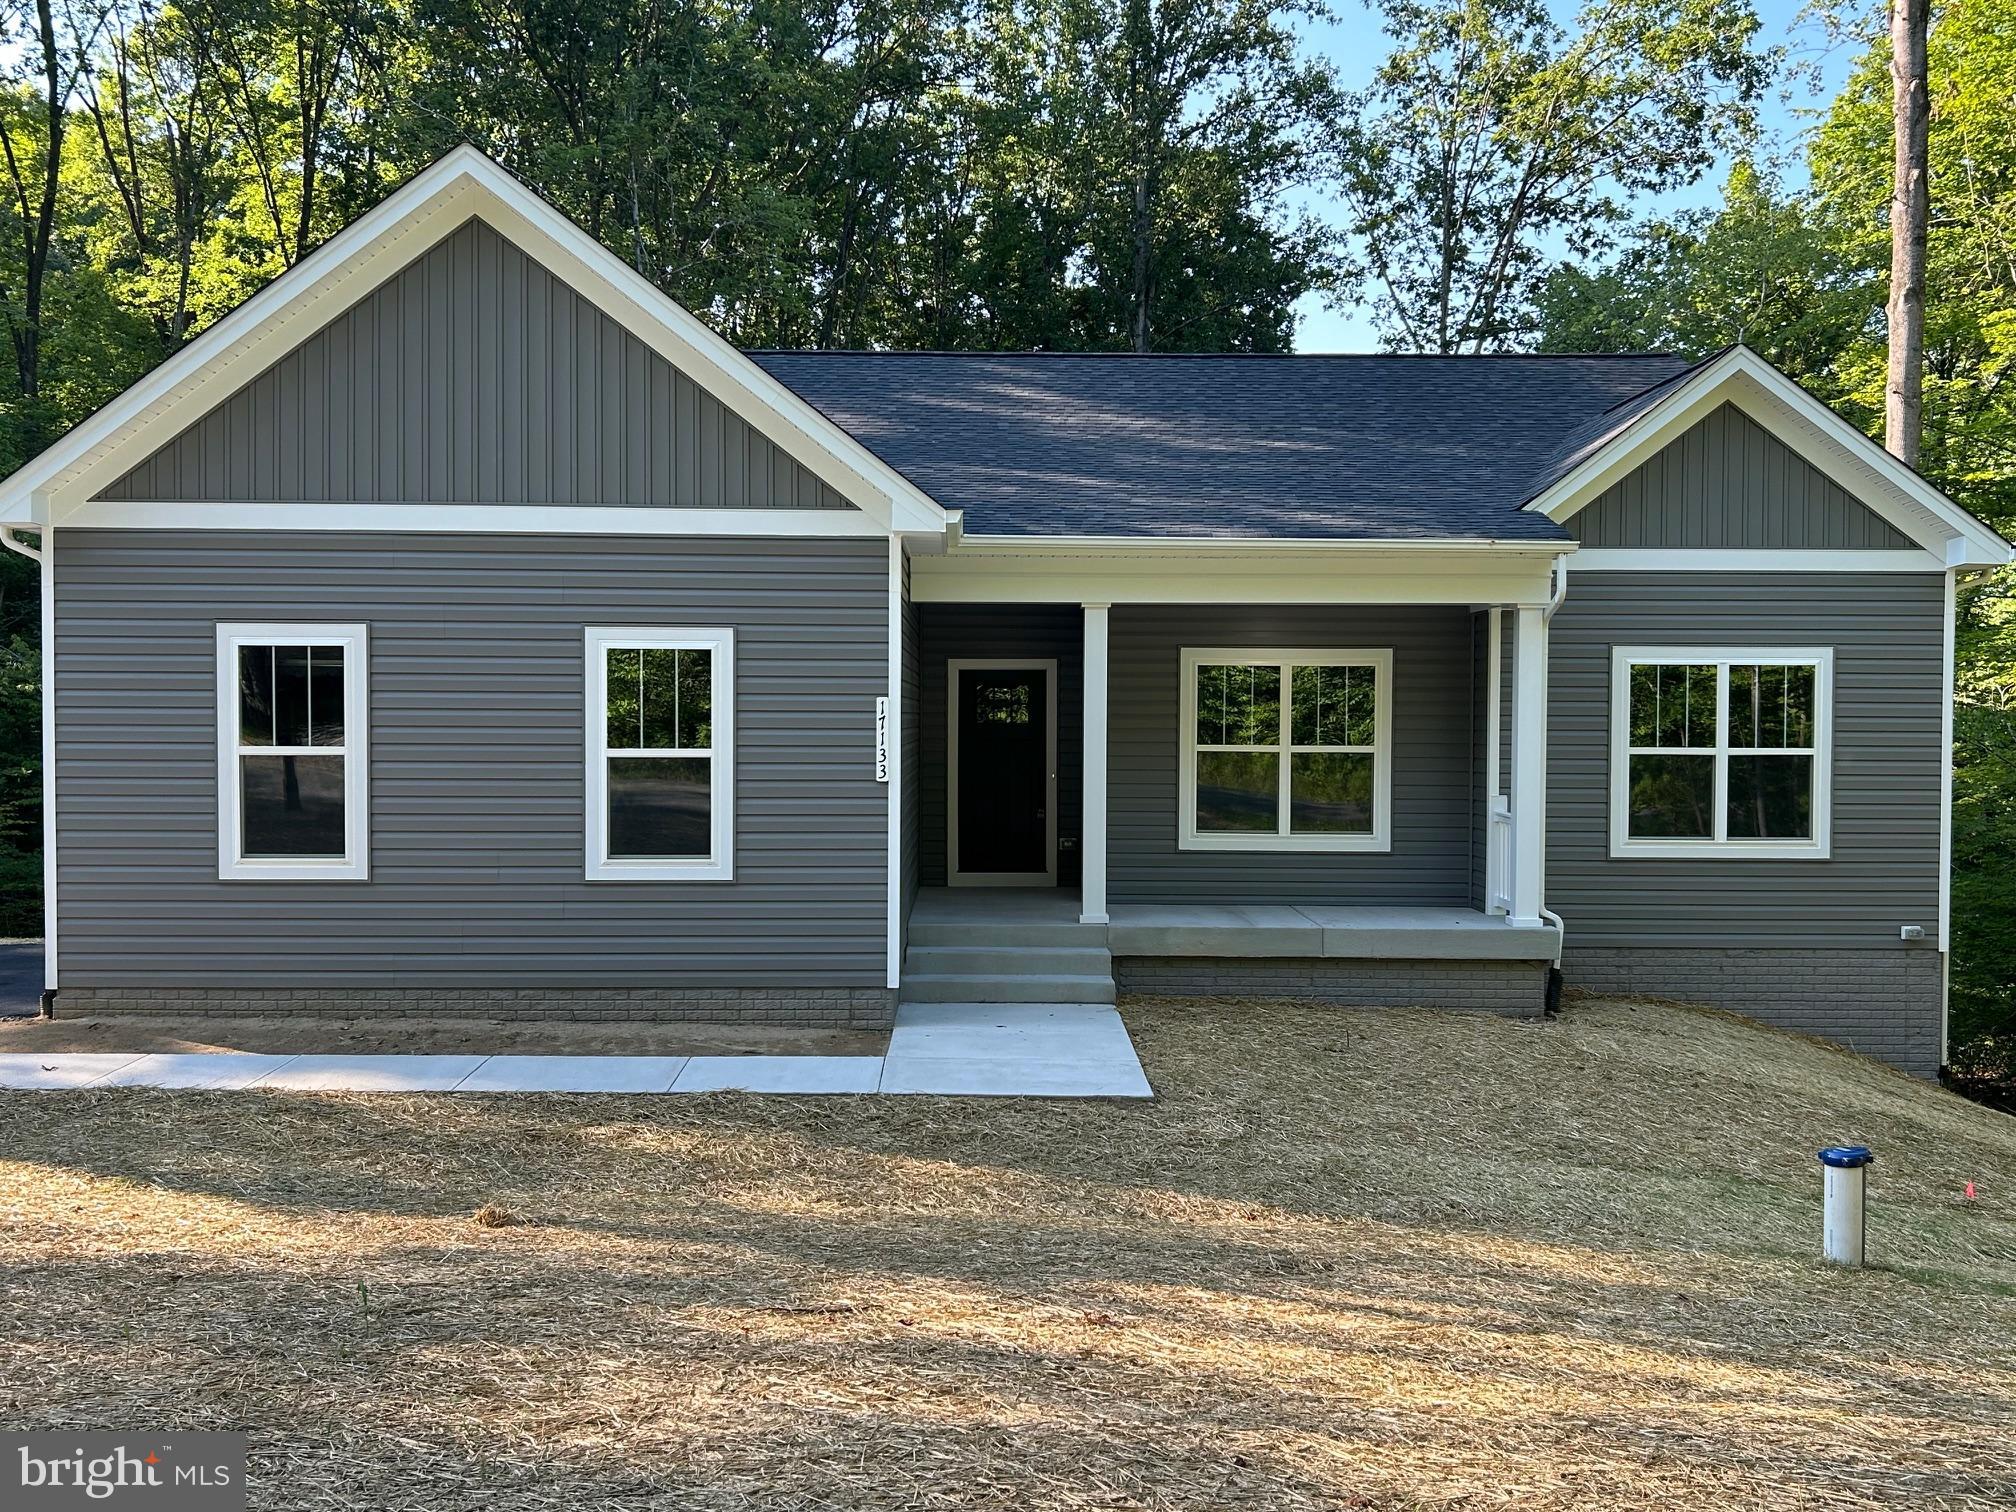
{"points": [[460, 625]]}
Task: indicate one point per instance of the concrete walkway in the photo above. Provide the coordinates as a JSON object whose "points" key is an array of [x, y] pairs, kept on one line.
{"points": [[965, 1049]]}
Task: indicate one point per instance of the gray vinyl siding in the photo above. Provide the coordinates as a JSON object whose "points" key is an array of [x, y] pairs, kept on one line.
{"points": [[477, 780], [1039, 632], [1730, 483], [475, 376], [913, 746], [1887, 632], [1435, 776]]}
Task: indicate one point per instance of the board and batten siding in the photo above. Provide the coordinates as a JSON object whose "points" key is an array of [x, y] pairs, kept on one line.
{"points": [[1886, 633], [1729, 483], [477, 782], [475, 376], [1037, 632], [1435, 776]]}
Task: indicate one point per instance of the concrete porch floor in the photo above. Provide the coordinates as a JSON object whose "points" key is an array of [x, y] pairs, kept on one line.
{"points": [[1204, 929]]}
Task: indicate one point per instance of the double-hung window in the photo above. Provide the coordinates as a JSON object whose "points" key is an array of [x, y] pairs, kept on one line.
{"points": [[661, 755], [1286, 750], [292, 745], [1720, 752]]}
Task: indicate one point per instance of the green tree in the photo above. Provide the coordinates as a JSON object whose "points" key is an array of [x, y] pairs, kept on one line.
{"points": [[1763, 268], [1491, 133]]}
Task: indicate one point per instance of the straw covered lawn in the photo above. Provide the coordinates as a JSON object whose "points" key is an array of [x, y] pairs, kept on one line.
{"points": [[1346, 1260]]}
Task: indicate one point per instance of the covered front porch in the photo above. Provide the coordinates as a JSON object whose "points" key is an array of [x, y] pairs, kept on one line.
{"points": [[1383, 750]]}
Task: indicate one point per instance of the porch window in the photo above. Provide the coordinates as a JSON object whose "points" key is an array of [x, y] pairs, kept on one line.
{"points": [[661, 791], [1720, 752], [1286, 750], [292, 742]]}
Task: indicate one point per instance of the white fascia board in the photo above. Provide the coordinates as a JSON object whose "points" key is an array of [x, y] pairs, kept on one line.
{"points": [[509, 519], [1862, 468], [1690, 559], [1279, 573], [1139, 547], [377, 246]]}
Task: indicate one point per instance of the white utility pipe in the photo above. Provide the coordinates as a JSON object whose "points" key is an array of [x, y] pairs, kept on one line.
{"points": [[1843, 1169]]}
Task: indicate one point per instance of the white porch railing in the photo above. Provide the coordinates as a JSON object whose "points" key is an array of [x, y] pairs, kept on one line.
{"points": [[1498, 857]]}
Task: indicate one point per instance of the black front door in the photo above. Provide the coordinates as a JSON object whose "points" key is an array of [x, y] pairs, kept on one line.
{"points": [[1003, 745]]}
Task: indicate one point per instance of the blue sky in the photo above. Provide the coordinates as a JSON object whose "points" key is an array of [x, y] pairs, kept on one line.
{"points": [[1354, 44]]}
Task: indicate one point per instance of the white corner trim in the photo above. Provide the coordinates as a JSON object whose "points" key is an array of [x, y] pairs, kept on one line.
{"points": [[1815, 432], [514, 519], [374, 248], [1946, 663], [1719, 847], [1690, 559], [718, 865], [354, 865], [1283, 840], [894, 737]]}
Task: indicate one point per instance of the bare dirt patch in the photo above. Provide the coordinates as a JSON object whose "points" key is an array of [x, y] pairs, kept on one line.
{"points": [[418, 1036], [1388, 1260]]}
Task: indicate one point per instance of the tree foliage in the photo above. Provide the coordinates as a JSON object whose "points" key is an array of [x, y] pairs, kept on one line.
{"points": [[1492, 133]]}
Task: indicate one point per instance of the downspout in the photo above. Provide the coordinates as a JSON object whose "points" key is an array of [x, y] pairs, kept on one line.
{"points": [[10, 538], [1553, 999]]}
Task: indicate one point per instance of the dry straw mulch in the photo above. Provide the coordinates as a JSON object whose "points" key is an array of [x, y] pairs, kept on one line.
{"points": [[1346, 1260]]}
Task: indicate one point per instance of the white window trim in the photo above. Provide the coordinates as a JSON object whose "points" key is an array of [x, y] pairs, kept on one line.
{"points": [[1381, 836], [1720, 847], [719, 864], [355, 862]]}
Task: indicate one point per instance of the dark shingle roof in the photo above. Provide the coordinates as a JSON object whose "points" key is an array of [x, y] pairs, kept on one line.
{"points": [[1392, 448]]}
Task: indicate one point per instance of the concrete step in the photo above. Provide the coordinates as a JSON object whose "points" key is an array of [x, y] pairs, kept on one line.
{"points": [[1028, 987], [990, 959], [1039, 933]]}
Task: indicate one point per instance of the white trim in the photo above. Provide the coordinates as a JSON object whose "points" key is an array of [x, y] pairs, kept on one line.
{"points": [[954, 877], [1281, 574], [519, 519], [1497, 886], [719, 863], [1121, 545], [1689, 559], [1283, 839], [1720, 846], [1872, 475], [893, 735], [378, 245], [355, 862], [1528, 862], [1098, 658], [1946, 659], [44, 556]]}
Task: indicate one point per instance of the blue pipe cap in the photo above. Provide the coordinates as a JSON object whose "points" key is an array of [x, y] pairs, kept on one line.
{"points": [[1847, 1157]]}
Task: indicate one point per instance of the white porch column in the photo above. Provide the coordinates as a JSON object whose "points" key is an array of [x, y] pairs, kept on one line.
{"points": [[1529, 765], [1092, 841]]}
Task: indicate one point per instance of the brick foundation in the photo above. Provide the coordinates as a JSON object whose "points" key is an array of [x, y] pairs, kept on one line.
{"points": [[1510, 987], [792, 1007], [1889, 1004]]}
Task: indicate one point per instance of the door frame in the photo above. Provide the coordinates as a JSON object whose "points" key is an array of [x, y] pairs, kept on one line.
{"points": [[953, 667]]}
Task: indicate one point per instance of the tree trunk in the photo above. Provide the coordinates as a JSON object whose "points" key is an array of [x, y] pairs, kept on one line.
{"points": [[1143, 260], [41, 230], [1910, 205]]}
